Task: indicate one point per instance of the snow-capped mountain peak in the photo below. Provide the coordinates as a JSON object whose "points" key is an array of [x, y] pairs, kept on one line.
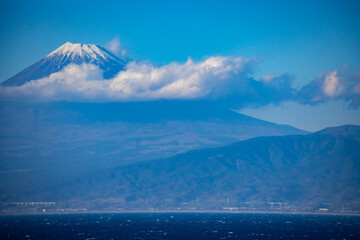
{"points": [[69, 53], [82, 50]]}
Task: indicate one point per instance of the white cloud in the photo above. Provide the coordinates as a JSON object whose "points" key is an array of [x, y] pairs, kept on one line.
{"points": [[116, 48], [180, 81], [269, 78], [331, 84], [73, 82], [225, 79], [113, 45], [212, 78]]}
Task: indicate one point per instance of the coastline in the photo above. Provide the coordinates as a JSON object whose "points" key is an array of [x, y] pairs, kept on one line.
{"points": [[179, 212]]}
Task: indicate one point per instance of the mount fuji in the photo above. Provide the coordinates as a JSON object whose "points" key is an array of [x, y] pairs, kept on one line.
{"points": [[69, 53], [119, 132]]}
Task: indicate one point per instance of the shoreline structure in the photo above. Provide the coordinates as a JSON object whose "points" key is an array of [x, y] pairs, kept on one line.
{"points": [[180, 212]]}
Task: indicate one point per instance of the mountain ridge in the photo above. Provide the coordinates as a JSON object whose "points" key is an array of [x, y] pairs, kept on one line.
{"points": [[153, 129], [304, 172]]}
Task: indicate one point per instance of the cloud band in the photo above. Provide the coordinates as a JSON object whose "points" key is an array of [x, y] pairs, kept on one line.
{"points": [[227, 79]]}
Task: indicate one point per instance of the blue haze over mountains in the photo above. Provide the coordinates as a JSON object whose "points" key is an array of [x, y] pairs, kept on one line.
{"points": [[134, 155]]}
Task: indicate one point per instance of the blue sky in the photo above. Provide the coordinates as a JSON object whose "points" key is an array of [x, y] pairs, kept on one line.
{"points": [[300, 38]]}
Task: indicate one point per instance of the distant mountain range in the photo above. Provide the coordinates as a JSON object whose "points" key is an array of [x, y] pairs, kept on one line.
{"points": [[298, 172], [66, 54], [84, 136]]}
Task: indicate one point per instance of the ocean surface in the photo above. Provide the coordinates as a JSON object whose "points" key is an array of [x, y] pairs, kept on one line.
{"points": [[180, 226]]}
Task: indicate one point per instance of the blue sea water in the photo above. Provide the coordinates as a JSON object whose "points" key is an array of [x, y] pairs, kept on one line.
{"points": [[179, 226]]}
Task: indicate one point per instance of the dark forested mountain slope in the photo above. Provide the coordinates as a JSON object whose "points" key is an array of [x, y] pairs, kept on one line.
{"points": [[321, 169]]}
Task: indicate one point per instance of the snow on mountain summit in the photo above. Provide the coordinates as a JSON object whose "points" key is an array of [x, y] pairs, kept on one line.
{"points": [[83, 50], [69, 53]]}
